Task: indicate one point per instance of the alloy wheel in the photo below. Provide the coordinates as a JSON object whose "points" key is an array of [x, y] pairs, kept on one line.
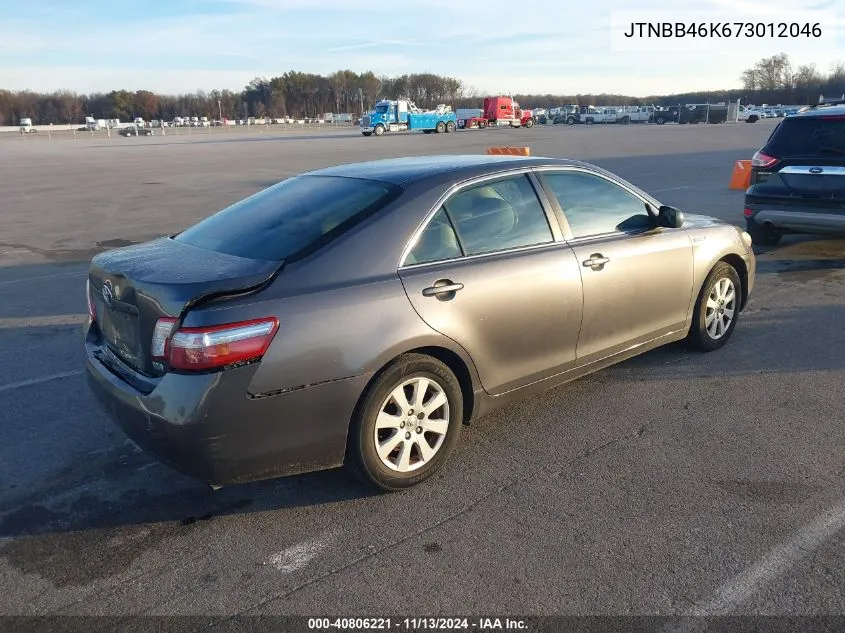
{"points": [[412, 424], [720, 309]]}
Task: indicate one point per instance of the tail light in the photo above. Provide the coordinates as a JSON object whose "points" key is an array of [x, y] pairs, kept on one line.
{"points": [[161, 334], [763, 160], [203, 348], [747, 212], [92, 309]]}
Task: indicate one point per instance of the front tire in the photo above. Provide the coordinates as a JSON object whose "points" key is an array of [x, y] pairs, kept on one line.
{"points": [[406, 424], [379, 130], [529, 123], [717, 309]]}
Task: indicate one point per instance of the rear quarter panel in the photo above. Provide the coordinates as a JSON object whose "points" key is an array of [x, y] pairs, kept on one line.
{"points": [[331, 333]]}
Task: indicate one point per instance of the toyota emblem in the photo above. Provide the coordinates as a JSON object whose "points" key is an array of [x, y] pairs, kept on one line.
{"points": [[107, 292], [816, 170]]}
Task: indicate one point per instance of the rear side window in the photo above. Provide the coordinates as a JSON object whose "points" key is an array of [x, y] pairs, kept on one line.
{"points": [[808, 136], [437, 242], [498, 216], [291, 218]]}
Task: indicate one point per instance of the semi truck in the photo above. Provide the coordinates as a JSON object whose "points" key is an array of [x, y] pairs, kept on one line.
{"points": [[501, 112], [402, 115]]}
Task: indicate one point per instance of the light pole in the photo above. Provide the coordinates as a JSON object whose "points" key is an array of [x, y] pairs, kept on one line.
{"points": [[220, 109]]}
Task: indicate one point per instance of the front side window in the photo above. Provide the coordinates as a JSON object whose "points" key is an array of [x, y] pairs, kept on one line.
{"points": [[593, 205], [499, 215]]}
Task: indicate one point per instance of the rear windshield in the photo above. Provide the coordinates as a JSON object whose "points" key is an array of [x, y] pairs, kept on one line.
{"points": [[809, 136], [291, 218]]}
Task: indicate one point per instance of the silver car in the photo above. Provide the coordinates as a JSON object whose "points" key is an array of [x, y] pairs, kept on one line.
{"points": [[361, 314]]}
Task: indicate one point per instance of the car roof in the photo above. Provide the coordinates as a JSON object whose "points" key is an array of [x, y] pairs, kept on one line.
{"points": [[400, 171], [824, 110]]}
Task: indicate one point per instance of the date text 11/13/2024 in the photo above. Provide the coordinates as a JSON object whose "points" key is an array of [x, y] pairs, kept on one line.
{"points": [[416, 624]]}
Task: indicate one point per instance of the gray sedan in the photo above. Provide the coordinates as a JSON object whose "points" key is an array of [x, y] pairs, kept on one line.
{"points": [[361, 314]]}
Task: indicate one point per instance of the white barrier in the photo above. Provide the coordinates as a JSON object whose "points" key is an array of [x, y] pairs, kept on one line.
{"points": [[42, 128]]}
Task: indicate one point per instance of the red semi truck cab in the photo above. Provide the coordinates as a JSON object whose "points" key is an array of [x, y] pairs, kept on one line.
{"points": [[506, 111]]}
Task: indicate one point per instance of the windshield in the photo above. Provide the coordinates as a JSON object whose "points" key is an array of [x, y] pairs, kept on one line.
{"points": [[809, 136], [290, 218], [381, 108]]}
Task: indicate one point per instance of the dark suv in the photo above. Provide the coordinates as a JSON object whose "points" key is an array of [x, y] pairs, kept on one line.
{"points": [[798, 177]]}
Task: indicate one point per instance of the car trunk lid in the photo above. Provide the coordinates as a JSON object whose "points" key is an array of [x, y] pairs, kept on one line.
{"points": [[135, 286]]}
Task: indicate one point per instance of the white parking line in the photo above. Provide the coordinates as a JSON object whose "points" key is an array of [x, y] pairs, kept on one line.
{"points": [[298, 556], [672, 188], [742, 587], [25, 279], [778, 561], [42, 321], [34, 381]]}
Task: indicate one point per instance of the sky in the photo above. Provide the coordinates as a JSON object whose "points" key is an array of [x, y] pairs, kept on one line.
{"points": [[546, 46]]}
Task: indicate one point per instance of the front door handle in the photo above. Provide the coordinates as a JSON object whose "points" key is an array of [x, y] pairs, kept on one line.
{"points": [[596, 261], [442, 287]]}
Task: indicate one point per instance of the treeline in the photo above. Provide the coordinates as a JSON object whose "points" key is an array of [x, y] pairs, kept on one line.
{"points": [[300, 95], [776, 80]]}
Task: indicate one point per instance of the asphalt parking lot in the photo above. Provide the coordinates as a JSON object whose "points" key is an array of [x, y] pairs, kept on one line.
{"points": [[673, 484]]}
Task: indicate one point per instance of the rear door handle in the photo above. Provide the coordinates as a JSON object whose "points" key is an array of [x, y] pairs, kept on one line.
{"points": [[597, 260], [443, 286]]}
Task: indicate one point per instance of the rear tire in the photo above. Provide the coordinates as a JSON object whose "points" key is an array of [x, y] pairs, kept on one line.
{"points": [[717, 309], [450, 127], [392, 401], [441, 127], [762, 234]]}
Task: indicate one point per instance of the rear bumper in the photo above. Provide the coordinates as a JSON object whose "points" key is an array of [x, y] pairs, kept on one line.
{"points": [[208, 427], [800, 219]]}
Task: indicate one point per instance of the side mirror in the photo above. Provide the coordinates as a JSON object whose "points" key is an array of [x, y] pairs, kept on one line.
{"points": [[670, 217]]}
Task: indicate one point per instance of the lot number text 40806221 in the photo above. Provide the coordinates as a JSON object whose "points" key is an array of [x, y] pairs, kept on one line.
{"points": [[417, 624]]}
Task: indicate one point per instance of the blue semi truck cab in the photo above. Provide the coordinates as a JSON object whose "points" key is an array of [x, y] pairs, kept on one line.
{"points": [[403, 116]]}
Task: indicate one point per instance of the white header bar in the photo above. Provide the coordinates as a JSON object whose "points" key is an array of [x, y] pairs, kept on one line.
{"points": [[749, 36]]}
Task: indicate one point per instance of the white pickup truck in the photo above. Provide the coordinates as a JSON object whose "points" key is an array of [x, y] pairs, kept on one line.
{"points": [[592, 114], [634, 114], [747, 114]]}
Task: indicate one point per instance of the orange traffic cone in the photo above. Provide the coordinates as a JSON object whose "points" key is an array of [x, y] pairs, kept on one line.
{"points": [[511, 151], [741, 176]]}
